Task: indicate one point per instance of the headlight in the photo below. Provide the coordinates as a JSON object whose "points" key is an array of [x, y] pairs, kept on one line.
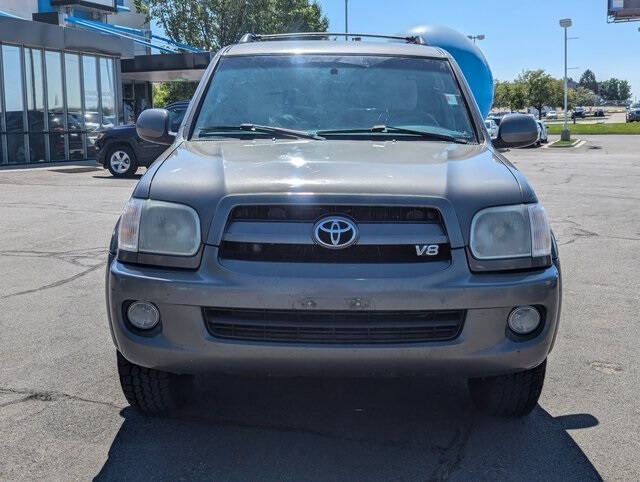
{"points": [[159, 227], [510, 232]]}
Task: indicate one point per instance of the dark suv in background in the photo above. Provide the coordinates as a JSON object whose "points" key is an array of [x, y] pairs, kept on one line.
{"points": [[122, 151], [633, 115]]}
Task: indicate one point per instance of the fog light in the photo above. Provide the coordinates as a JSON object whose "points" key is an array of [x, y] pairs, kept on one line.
{"points": [[524, 320], [143, 315]]}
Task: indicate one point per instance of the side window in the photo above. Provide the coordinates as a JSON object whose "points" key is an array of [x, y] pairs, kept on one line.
{"points": [[175, 118]]}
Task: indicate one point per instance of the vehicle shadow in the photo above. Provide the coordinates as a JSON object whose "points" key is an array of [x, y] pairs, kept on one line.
{"points": [[107, 175], [343, 429]]}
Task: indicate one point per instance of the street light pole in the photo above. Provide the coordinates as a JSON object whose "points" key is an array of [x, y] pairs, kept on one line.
{"points": [[566, 135], [346, 18]]}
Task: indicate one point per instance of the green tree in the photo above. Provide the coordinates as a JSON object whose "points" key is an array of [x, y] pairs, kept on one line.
{"points": [[539, 88], [588, 81], [212, 24], [610, 89], [557, 93], [583, 96], [164, 93], [502, 94], [518, 96], [624, 90]]}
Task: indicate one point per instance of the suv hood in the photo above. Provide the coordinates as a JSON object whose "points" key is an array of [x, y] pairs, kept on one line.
{"points": [[200, 173]]}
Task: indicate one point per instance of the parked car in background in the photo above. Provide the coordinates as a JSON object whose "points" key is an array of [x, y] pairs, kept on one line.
{"points": [[492, 127], [633, 115], [542, 132], [536, 112], [578, 113], [122, 151], [552, 115], [543, 136], [497, 117], [598, 112]]}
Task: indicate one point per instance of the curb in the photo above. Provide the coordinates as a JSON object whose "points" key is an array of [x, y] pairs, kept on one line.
{"points": [[577, 143]]}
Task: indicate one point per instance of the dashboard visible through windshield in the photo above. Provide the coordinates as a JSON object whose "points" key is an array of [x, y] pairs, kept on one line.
{"points": [[329, 95]]}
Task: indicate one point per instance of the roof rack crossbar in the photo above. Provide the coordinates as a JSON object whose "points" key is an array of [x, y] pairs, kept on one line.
{"points": [[252, 37]]}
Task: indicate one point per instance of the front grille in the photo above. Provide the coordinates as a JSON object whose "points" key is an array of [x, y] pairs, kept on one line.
{"points": [[285, 233], [312, 253], [333, 327], [360, 214]]}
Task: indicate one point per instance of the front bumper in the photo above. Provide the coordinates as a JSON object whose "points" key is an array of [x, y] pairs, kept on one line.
{"points": [[183, 344]]}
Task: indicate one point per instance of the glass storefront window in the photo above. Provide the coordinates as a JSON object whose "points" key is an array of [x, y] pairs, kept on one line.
{"points": [[13, 101], [56, 147], [37, 147], [74, 97], [55, 97], [75, 120], [76, 147], [91, 101], [35, 103], [108, 93], [16, 149], [54, 103]]}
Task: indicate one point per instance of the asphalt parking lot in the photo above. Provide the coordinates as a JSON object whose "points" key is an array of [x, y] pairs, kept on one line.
{"points": [[62, 415]]}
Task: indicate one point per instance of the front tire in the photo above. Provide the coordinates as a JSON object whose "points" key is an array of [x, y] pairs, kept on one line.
{"points": [[153, 392], [121, 161], [513, 395]]}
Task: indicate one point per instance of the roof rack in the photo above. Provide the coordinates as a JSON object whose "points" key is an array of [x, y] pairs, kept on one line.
{"points": [[252, 37]]}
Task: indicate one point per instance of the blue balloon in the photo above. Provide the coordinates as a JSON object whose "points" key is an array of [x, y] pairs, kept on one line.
{"points": [[472, 62]]}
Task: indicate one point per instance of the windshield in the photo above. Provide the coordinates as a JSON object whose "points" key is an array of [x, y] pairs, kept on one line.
{"points": [[315, 93]]}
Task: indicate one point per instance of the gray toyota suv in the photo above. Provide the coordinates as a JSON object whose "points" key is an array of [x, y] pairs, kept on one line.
{"points": [[334, 207]]}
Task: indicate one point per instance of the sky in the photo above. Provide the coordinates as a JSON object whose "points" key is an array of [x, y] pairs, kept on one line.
{"points": [[520, 34]]}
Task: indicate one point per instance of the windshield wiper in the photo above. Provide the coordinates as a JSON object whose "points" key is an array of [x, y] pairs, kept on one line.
{"points": [[211, 130], [398, 130]]}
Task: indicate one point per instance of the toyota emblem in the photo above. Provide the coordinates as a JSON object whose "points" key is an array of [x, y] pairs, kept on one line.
{"points": [[335, 232]]}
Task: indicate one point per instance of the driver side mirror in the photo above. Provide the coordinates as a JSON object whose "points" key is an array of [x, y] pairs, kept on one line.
{"points": [[516, 130], [153, 125]]}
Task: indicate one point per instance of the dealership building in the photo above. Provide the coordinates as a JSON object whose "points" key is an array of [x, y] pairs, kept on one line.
{"points": [[71, 68]]}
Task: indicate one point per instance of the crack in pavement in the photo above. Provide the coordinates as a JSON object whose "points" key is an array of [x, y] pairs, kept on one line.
{"points": [[577, 231], [49, 396], [55, 284], [450, 455], [57, 207], [74, 256], [457, 444], [231, 423], [453, 454]]}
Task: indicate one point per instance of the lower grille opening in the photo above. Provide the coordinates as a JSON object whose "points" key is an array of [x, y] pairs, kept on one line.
{"points": [[334, 327], [312, 253]]}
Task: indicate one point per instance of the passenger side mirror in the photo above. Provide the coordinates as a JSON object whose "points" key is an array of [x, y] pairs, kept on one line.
{"points": [[516, 130], [153, 125]]}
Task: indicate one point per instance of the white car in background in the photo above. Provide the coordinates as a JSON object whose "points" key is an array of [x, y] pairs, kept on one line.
{"points": [[552, 115], [543, 136], [492, 127]]}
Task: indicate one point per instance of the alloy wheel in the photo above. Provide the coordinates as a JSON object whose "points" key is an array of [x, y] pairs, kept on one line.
{"points": [[120, 162]]}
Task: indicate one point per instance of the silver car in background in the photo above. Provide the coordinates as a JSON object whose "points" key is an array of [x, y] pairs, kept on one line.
{"points": [[334, 208], [492, 128]]}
